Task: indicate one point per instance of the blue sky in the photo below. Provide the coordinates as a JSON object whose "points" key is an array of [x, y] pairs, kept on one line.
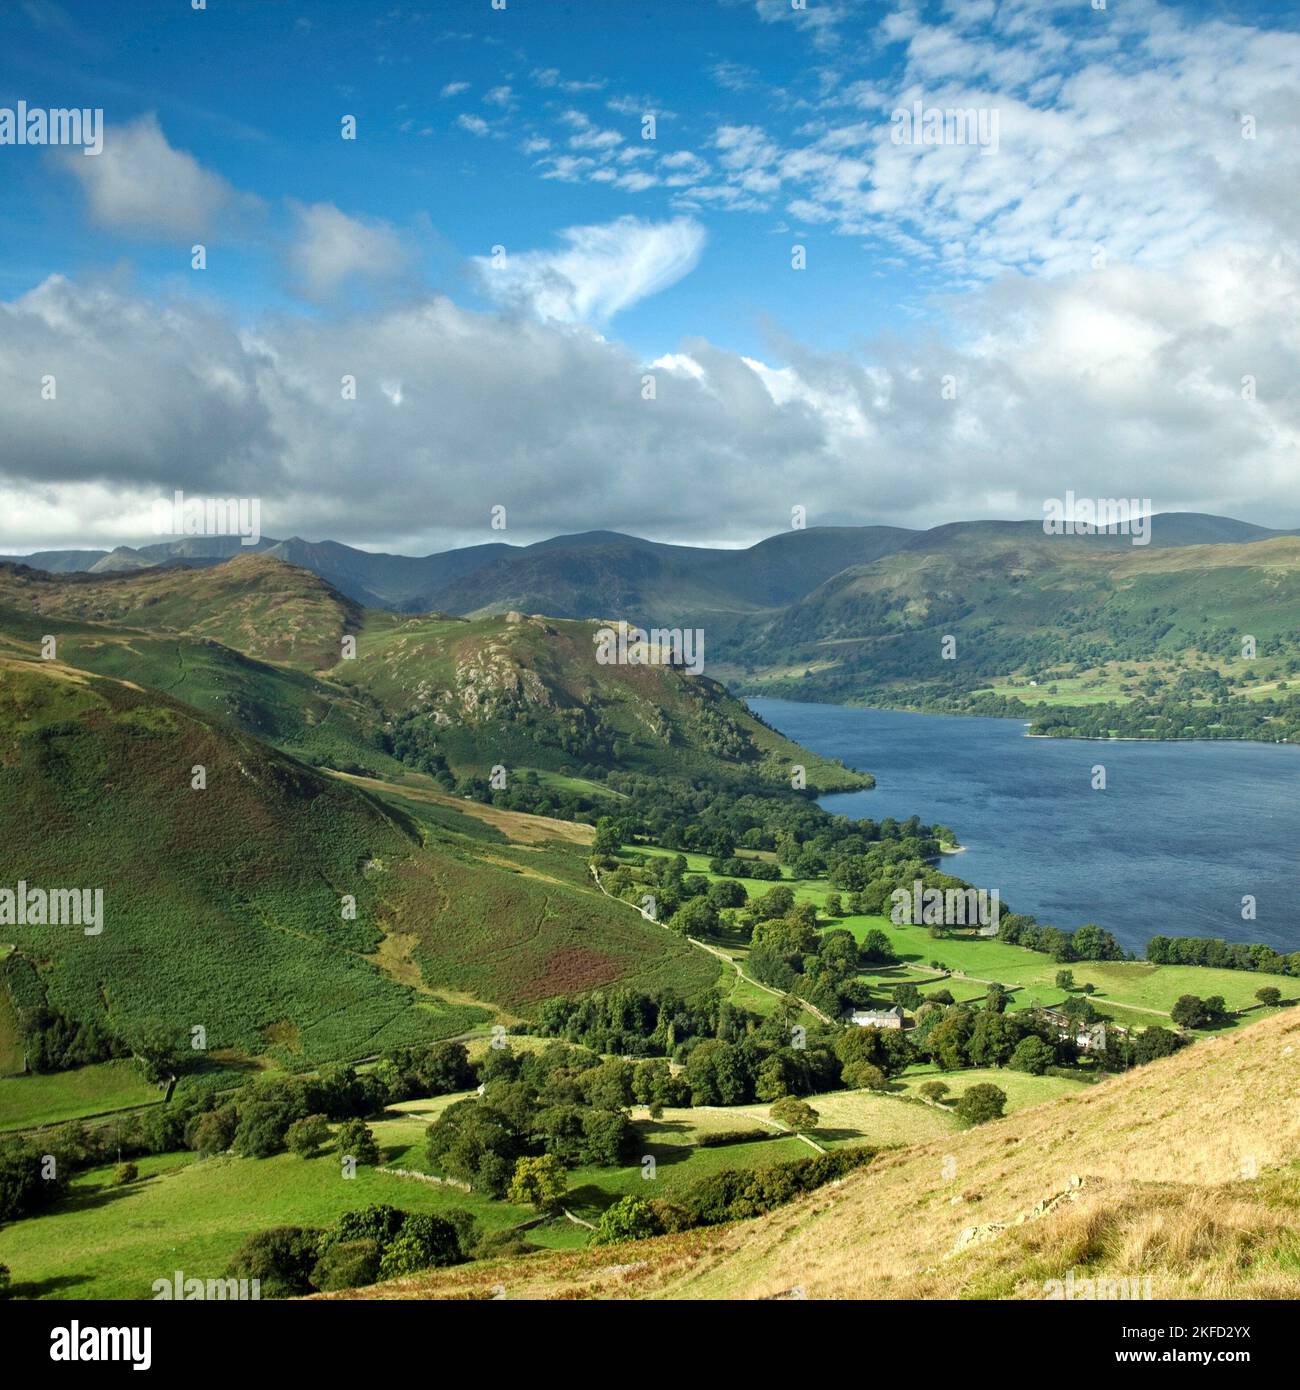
{"points": [[1090, 280]]}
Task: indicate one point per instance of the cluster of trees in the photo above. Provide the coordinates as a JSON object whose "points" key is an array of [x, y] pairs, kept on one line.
{"points": [[954, 1036], [704, 818], [263, 1117], [728, 1055], [734, 1194], [1267, 720], [1236, 955], [52, 1042], [1191, 1011], [378, 1242], [1088, 942], [639, 1023], [789, 953], [564, 1102]]}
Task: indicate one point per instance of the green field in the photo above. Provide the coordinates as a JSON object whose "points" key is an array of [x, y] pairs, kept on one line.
{"points": [[191, 1214], [1019, 1087], [1135, 993], [868, 1117], [27, 1101]]}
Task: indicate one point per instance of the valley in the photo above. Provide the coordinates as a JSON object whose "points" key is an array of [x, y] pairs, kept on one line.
{"points": [[548, 952]]}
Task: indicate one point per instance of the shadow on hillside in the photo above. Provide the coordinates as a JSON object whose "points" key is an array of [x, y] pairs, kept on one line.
{"points": [[101, 1195], [835, 1136], [652, 1127], [45, 1288]]}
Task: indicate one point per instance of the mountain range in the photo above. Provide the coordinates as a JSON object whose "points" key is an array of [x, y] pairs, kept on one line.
{"points": [[859, 614], [595, 573]]}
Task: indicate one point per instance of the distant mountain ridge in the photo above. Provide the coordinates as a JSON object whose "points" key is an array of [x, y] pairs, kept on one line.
{"points": [[602, 572]]}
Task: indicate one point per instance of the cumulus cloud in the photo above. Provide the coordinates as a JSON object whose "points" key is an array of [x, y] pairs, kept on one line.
{"points": [[1127, 381], [598, 270], [142, 184], [329, 248]]}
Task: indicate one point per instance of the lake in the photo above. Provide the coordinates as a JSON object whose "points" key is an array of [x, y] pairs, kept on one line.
{"points": [[1180, 834]]}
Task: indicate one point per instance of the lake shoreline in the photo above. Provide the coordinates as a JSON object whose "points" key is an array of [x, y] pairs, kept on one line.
{"points": [[1183, 828]]}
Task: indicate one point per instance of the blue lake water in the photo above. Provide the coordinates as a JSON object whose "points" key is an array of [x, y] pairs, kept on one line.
{"points": [[1180, 834]]}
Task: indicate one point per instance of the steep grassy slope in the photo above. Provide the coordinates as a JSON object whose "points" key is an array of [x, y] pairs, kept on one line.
{"points": [[223, 907], [1186, 1170]]}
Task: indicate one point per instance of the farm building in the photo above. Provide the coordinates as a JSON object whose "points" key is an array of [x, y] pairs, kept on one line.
{"points": [[878, 1018]]}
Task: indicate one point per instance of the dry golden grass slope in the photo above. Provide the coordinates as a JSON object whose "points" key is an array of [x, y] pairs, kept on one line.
{"points": [[1142, 1175]]}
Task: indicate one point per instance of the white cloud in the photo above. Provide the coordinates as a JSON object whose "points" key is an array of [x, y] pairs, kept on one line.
{"points": [[1119, 383], [599, 270], [329, 248], [454, 89], [476, 125], [141, 184]]}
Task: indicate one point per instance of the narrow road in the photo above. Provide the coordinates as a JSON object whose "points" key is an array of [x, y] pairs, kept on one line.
{"points": [[715, 951]]}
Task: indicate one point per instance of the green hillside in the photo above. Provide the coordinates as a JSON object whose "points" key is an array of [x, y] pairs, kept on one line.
{"points": [[260, 642], [223, 907], [1053, 621]]}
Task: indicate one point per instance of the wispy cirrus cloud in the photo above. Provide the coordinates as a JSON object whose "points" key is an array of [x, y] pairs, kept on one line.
{"points": [[597, 270]]}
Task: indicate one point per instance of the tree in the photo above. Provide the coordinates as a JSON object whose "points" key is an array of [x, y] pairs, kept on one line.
{"points": [[934, 1090], [356, 1141], [628, 1219], [834, 905], [1189, 1011], [158, 1050], [1032, 1055], [863, 1076], [1155, 1042], [1065, 979], [445, 1068], [261, 1129], [876, 948], [213, 1132], [608, 842], [794, 1114], [473, 1141], [981, 1103], [540, 1182], [992, 1041], [609, 1085], [350, 1264], [282, 1259], [695, 917], [1269, 997], [717, 1074], [306, 1137]]}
